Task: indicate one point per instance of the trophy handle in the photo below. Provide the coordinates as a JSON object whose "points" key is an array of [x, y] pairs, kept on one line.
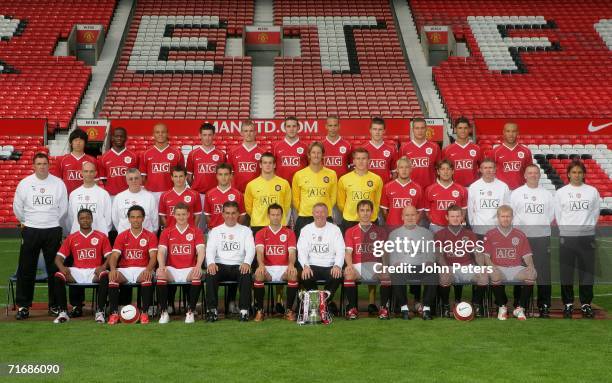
{"points": [[327, 294]]}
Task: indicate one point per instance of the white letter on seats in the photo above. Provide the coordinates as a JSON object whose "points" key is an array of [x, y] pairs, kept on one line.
{"points": [[604, 28]]}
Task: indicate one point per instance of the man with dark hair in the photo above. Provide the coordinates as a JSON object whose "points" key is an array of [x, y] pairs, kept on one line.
{"points": [[443, 193], [463, 154], [156, 163], [40, 204], [290, 153], [217, 196], [179, 193], [133, 261], [230, 252], [264, 191], [382, 155], [423, 153], [245, 158], [202, 162], [89, 250], [355, 186], [114, 164], [68, 167]]}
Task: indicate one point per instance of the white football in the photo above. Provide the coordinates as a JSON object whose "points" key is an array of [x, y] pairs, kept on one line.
{"points": [[463, 311], [129, 314]]}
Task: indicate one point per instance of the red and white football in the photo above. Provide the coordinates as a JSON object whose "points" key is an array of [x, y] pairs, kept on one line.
{"points": [[463, 311], [129, 314]]}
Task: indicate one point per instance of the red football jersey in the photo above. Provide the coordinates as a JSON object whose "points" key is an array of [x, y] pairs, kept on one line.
{"points": [[245, 163], [135, 250], [506, 250], [181, 246], [113, 166], [276, 245], [361, 242], [337, 155], [395, 197], [466, 160], [203, 165], [68, 167], [510, 164], [423, 159], [213, 204], [290, 158], [382, 159], [87, 251], [169, 199], [438, 198], [157, 166], [459, 241]]}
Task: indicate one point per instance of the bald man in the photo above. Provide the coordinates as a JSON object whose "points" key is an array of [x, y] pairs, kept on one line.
{"points": [[413, 263], [511, 158], [92, 197]]}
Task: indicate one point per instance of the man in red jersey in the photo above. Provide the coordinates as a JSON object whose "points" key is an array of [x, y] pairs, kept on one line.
{"points": [[89, 250], [459, 247], [337, 155], [133, 261], [337, 149], [217, 196], [290, 153], [507, 251], [423, 154], [179, 193], [180, 255], [202, 161], [157, 162], [276, 251], [245, 157], [382, 155], [68, 167], [463, 154], [399, 193], [442, 194], [360, 262], [113, 165], [511, 158]]}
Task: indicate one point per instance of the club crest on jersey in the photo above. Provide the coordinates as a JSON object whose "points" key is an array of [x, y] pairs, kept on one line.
{"points": [[283, 237], [373, 235], [370, 183], [189, 237], [94, 241], [520, 155], [143, 242], [231, 197], [342, 149], [300, 150], [277, 187], [326, 179], [412, 192], [578, 195], [455, 193], [533, 198], [215, 157], [429, 150], [42, 190], [258, 156], [170, 156], [230, 237], [515, 241], [489, 193], [187, 198], [386, 153], [472, 153], [127, 160]]}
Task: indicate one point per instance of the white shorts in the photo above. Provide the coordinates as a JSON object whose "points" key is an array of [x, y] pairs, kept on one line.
{"points": [[179, 275], [366, 270], [131, 273], [82, 275], [276, 272], [509, 273]]}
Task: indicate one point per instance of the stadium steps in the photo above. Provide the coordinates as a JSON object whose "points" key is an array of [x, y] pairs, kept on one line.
{"points": [[428, 93], [262, 92], [264, 12]]}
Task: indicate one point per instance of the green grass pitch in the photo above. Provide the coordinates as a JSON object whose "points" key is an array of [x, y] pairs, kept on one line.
{"points": [[278, 351]]}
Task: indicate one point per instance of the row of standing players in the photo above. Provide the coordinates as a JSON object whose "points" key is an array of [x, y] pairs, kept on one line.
{"points": [[156, 165]]}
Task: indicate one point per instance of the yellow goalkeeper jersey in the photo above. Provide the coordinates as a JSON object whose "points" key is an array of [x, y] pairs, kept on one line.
{"points": [[310, 188], [261, 193], [353, 188]]}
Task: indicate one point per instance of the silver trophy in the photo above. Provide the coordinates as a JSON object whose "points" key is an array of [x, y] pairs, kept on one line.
{"points": [[313, 307]]}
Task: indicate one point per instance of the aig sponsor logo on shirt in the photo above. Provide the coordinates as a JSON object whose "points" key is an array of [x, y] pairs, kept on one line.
{"points": [[317, 192], [444, 204], [333, 161], [247, 167], [359, 195], [83, 254], [275, 250], [512, 166], [74, 175], [489, 203], [464, 164], [579, 205], [505, 253], [290, 161], [134, 254], [401, 203], [377, 164], [420, 162], [207, 168], [42, 200], [118, 171], [268, 199], [91, 206], [319, 248], [160, 167], [180, 249], [230, 246], [534, 208]]}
